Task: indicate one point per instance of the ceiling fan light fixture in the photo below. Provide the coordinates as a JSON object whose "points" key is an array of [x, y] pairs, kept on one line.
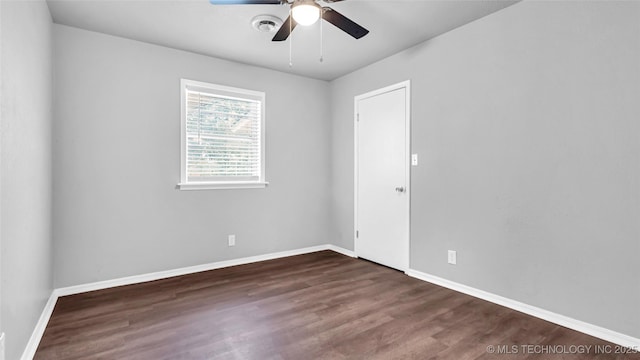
{"points": [[305, 12]]}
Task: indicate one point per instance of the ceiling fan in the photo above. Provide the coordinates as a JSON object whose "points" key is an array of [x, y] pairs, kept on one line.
{"points": [[304, 12]]}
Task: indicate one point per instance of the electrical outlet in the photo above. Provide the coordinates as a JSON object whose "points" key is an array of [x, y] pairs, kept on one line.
{"points": [[2, 346], [452, 257], [414, 159], [232, 240]]}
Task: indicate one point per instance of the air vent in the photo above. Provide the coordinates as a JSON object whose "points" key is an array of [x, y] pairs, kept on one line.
{"points": [[266, 23]]}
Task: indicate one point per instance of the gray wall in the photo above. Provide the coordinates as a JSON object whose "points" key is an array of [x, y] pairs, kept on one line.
{"points": [[526, 123], [116, 163], [25, 154]]}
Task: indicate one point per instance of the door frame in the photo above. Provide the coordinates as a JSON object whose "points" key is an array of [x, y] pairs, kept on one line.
{"points": [[407, 123]]}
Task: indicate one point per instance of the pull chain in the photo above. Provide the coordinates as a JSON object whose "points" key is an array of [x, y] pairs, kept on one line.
{"points": [[321, 49], [290, 38]]}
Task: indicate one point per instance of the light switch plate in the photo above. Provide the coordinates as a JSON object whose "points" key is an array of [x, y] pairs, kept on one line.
{"points": [[414, 159]]}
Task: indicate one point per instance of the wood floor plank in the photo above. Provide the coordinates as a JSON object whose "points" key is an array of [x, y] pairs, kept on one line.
{"points": [[315, 306]]}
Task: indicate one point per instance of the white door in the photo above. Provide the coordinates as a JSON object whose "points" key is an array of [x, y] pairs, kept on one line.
{"points": [[382, 176]]}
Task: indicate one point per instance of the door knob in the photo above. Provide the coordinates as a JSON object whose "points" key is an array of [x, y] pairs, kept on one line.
{"points": [[400, 189]]}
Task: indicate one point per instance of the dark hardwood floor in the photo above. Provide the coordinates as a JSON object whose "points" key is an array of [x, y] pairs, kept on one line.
{"points": [[316, 306]]}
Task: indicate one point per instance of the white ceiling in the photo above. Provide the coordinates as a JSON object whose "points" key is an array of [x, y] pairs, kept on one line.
{"points": [[224, 31]]}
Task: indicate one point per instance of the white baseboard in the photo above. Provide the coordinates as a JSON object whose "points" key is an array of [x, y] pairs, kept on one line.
{"points": [[342, 251], [36, 336], [189, 270], [41, 325], [581, 326]]}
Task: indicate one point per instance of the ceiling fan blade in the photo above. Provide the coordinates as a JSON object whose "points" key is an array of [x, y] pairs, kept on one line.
{"points": [[285, 30], [344, 23], [244, 2]]}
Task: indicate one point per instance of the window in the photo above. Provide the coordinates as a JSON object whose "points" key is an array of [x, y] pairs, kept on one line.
{"points": [[222, 145]]}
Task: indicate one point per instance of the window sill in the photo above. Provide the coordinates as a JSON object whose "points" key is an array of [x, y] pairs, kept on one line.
{"points": [[222, 185]]}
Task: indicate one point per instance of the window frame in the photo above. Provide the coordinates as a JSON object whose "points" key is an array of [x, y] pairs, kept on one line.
{"points": [[223, 91]]}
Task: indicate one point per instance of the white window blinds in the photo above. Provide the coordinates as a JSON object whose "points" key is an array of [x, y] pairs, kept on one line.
{"points": [[222, 134]]}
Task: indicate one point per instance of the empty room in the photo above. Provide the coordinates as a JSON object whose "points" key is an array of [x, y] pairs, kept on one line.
{"points": [[315, 179]]}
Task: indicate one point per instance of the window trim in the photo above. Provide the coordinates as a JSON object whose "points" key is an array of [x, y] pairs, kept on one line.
{"points": [[214, 88]]}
